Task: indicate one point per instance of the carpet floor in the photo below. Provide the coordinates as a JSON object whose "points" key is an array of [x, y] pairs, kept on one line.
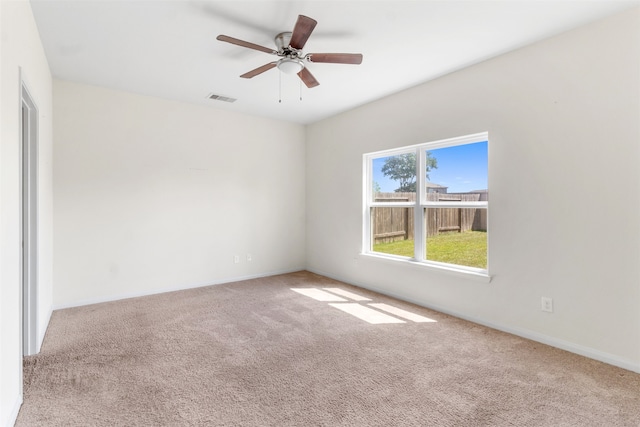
{"points": [[259, 353]]}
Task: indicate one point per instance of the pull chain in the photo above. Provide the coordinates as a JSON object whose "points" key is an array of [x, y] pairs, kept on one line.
{"points": [[280, 88]]}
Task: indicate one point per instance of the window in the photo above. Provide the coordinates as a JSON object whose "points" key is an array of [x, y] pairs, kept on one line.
{"points": [[428, 203]]}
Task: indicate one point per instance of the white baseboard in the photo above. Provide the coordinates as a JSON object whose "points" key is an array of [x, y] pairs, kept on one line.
{"points": [[524, 333], [42, 333], [13, 416], [171, 289]]}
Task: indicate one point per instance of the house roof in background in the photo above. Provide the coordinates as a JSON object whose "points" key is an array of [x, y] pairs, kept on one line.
{"points": [[429, 184]]}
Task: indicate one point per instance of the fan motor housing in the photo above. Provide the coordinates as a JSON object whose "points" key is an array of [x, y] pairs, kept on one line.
{"points": [[282, 40]]}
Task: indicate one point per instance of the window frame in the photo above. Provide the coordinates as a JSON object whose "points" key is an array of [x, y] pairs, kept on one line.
{"points": [[420, 205]]}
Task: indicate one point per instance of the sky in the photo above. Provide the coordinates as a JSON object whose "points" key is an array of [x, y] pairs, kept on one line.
{"points": [[462, 168]]}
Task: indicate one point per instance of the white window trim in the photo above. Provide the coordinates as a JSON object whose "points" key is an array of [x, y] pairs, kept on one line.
{"points": [[419, 205], [461, 271]]}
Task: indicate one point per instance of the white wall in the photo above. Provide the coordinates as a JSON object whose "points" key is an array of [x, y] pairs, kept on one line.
{"points": [[154, 195], [21, 48], [563, 122]]}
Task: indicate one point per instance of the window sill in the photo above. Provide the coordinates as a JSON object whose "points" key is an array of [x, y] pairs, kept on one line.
{"points": [[460, 272]]}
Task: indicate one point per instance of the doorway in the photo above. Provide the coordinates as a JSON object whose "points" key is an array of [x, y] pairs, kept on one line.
{"points": [[29, 219]]}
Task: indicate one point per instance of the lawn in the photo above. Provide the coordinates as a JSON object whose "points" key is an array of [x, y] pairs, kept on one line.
{"points": [[468, 248]]}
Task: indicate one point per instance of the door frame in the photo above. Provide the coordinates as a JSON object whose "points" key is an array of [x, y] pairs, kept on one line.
{"points": [[28, 219]]}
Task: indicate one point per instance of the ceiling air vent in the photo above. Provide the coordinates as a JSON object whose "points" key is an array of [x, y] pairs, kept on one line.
{"points": [[221, 98]]}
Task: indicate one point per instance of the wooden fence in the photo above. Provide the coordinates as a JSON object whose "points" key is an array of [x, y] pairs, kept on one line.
{"points": [[393, 224]]}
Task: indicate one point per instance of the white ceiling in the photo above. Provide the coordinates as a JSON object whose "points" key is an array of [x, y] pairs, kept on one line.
{"points": [[169, 49]]}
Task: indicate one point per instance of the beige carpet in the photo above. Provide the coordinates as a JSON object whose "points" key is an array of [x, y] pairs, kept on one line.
{"points": [[256, 353]]}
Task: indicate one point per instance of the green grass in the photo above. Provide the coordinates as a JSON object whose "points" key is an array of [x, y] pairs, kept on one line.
{"points": [[400, 247], [468, 248]]}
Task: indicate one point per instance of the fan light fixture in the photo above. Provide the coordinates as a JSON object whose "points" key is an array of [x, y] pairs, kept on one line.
{"points": [[290, 66]]}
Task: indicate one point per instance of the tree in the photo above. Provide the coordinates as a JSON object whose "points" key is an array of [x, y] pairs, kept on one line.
{"points": [[402, 168]]}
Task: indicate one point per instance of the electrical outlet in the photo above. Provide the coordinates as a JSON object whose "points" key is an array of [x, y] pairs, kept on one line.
{"points": [[249, 258], [547, 304], [236, 259]]}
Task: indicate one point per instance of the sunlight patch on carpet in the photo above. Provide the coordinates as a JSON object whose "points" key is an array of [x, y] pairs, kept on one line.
{"points": [[362, 310], [367, 314], [402, 313], [318, 295], [347, 294]]}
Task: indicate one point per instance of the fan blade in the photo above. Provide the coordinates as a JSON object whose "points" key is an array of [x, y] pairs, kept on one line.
{"points": [[302, 31], [259, 70], [243, 43], [307, 78], [336, 58]]}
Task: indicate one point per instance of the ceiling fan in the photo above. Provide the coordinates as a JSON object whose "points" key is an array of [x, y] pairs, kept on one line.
{"points": [[289, 48]]}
